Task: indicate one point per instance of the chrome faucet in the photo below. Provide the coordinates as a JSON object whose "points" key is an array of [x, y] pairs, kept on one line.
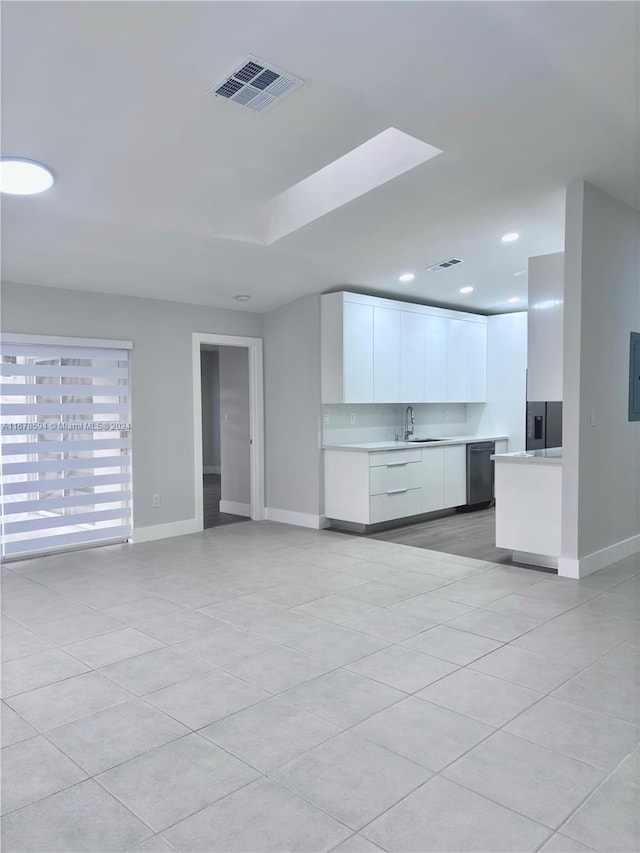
{"points": [[409, 421]]}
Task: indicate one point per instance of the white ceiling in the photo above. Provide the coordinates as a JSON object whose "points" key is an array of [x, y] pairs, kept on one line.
{"points": [[522, 97]]}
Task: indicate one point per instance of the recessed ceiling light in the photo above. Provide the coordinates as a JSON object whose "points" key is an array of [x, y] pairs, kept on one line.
{"points": [[510, 238], [23, 177], [520, 272], [406, 276], [513, 300], [466, 290], [242, 297]]}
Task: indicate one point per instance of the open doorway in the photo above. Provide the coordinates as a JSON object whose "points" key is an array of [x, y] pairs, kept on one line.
{"points": [[226, 463], [228, 440]]}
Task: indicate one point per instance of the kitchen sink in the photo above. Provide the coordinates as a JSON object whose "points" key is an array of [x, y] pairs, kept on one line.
{"points": [[425, 440]]}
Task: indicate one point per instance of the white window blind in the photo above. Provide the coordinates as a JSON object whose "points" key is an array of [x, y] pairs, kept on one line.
{"points": [[65, 447]]}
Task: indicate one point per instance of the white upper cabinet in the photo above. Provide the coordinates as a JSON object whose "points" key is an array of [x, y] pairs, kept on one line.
{"points": [[358, 353], [435, 359], [457, 380], [412, 356], [476, 362], [386, 355], [378, 350]]}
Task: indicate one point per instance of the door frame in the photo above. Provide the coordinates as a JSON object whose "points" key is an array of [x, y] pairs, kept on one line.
{"points": [[256, 418]]}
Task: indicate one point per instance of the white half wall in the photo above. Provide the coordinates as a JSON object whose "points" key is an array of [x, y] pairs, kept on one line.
{"points": [[601, 447], [161, 379], [235, 433]]}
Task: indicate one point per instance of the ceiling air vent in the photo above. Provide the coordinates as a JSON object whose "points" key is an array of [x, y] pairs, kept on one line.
{"points": [[256, 84], [452, 262]]}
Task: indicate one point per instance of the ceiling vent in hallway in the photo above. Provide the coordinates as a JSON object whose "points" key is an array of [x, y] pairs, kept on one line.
{"points": [[256, 84], [452, 262]]}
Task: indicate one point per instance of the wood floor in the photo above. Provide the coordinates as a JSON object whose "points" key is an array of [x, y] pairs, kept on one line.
{"points": [[467, 534], [211, 490]]}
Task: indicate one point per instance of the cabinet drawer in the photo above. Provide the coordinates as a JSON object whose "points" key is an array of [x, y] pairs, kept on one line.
{"points": [[395, 505], [395, 457], [388, 478]]}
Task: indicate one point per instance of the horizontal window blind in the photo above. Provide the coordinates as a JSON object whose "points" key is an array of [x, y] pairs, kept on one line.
{"points": [[65, 458]]}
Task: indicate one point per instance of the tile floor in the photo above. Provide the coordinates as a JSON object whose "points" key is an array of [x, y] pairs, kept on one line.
{"points": [[259, 688]]}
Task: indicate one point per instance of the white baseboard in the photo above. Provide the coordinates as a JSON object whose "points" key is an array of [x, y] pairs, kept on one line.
{"points": [[235, 508], [580, 568], [300, 519], [165, 531], [210, 469]]}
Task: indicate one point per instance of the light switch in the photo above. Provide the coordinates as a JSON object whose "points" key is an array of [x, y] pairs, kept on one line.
{"points": [[352, 417]]}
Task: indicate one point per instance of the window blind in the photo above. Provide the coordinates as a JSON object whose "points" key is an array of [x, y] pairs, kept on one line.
{"points": [[65, 458]]}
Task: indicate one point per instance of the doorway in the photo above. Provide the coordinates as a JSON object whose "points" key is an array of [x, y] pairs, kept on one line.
{"points": [[228, 435]]}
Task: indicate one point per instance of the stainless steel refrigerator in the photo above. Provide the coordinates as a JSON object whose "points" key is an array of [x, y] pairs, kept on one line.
{"points": [[544, 425]]}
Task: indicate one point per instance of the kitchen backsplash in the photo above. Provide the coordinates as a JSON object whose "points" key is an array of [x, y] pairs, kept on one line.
{"points": [[382, 422]]}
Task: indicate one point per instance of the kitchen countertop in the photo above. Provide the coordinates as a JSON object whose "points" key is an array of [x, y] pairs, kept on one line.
{"points": [[548, 456], [370, 446]]}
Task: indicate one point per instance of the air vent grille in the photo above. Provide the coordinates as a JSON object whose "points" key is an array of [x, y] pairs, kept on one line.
{"points": [[256, 84], [444, 265]]}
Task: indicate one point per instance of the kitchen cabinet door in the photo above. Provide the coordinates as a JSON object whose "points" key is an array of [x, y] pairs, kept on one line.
{"points": [[412, 334], [435, 359], [455, 475], [456, 361], [476, 362], [358, 353], [432, 478], [386, 355]]}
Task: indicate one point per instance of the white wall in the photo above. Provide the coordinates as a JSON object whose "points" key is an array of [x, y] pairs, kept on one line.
{"points": [[161, 366], [601, 466], [292, 412], [235, 462], [545, 334], [210, 386], [505, 410]]}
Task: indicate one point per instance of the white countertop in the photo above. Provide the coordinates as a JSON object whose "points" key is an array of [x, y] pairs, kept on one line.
{"points": [[548, 456], [369, 446]]}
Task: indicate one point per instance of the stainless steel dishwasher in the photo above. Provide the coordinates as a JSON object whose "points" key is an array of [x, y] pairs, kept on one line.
{"points": [[480, 473]]}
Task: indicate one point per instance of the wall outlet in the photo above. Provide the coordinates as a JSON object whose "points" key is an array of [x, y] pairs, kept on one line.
{"points": [[592, 418], [352, 417], [225, 417], [155, 501], [327, 420]]}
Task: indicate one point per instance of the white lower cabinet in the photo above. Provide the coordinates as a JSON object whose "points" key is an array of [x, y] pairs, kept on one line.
{"points": [[369, 488], [444, 477], [391, 505], [455, 475], [432, 478]]}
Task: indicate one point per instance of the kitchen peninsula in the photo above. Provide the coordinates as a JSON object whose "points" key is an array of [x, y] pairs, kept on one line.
{"points": [[373, 483], [528, 489]]}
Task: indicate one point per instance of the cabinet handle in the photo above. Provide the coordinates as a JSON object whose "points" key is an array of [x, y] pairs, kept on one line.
{"points": [[397, 491], [395, 464]]}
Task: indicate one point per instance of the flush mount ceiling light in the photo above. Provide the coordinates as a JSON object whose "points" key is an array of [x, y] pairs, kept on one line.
{"points": [[466, 290], [513, 300], [242, 297], [406, 276], [511, 237], [23, 177]]}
